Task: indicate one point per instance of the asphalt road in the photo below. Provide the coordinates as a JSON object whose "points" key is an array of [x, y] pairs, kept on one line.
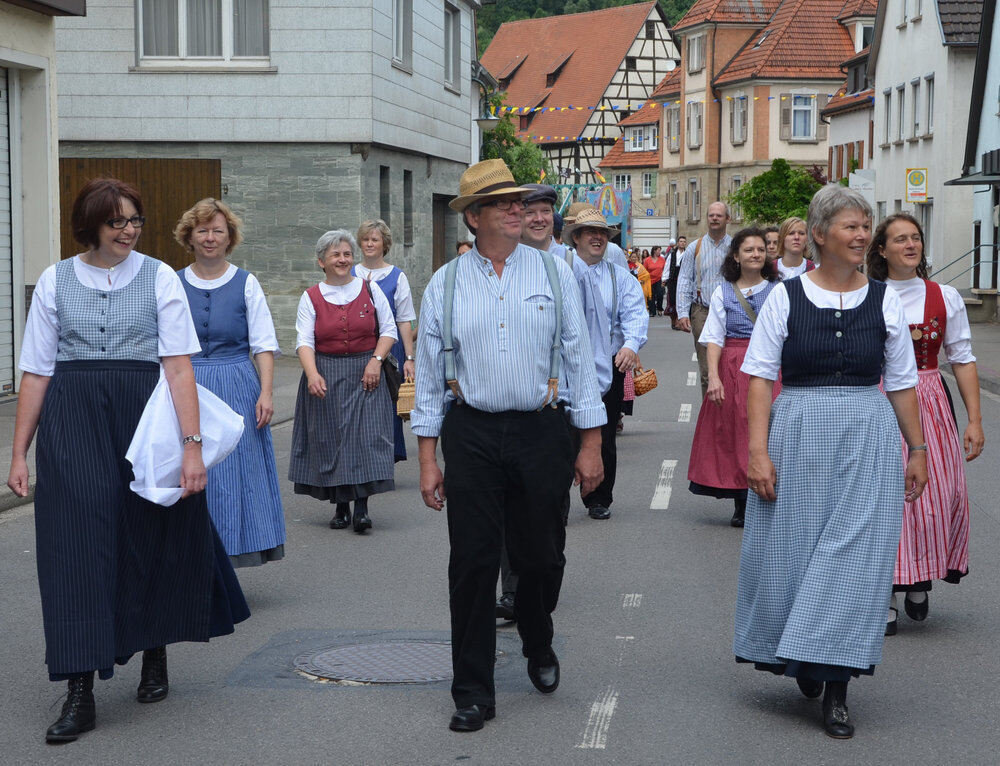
{"points": [[644, 635]]}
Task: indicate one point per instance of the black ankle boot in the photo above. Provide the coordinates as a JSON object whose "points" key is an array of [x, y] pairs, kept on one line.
{"points": [[361, 521], [153, 685], [739, 511], [343, 518], [79, 713], [836, 721]]}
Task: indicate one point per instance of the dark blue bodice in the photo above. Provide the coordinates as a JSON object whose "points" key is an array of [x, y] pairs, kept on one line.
{"points": [[387, 285], [220, 317]]}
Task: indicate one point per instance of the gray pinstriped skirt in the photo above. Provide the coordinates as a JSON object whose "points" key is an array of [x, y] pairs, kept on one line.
{"points": [[342, 445], [816, 565]]}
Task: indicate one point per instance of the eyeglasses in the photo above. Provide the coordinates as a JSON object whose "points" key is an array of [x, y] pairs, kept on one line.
{"points": [[137, 222], [503, 205]]}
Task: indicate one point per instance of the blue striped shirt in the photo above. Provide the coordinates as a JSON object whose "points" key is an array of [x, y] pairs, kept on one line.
{"points": [[689, 285], [503, 330]]}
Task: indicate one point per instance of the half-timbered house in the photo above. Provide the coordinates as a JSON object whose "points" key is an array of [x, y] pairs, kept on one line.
{"points": [[571, 79]]}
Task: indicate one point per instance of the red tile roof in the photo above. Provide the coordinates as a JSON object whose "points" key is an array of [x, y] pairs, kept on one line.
{"points": [[803, 41], [669, 85], [589, 62], [617, 157], [842, 103], [854, 8], [647, 115], [734, 11]]}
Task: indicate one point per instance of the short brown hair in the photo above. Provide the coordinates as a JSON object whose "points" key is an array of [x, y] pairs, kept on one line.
{"points": [[376, 224], [202, 212], [100, 200], [462, 243]]}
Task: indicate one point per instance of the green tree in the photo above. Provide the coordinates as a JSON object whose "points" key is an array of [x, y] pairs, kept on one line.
{"points": [[525, 159], [776, 194]]}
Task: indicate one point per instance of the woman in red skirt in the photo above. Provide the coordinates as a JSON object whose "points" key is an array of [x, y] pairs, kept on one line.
{"points": [[934, 544], [719, 453]]}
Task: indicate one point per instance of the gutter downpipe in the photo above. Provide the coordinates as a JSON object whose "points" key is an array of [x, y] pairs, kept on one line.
{"points": [[718, 146]]}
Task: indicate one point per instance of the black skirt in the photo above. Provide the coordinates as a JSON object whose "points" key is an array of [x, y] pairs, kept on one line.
{"points": [[117, 573]]}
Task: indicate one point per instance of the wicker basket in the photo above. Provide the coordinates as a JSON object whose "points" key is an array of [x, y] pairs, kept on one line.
{"points": [[644, 380], [407, 396]]}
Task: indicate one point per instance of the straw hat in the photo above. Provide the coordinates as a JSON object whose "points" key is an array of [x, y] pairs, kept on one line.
{"points": [[591, 218], [573, 210], [489, 178]]}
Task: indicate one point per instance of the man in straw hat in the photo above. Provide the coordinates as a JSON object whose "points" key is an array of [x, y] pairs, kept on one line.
{"points": [[505, 433], [614, 254], [617, 322]]}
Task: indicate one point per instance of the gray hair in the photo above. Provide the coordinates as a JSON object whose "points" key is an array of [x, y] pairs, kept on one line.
{"points": [[826, 204], [335, 237]]}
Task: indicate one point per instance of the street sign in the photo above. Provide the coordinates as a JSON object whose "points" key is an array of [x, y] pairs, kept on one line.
{"points": [[916, 184], [650, 211]]}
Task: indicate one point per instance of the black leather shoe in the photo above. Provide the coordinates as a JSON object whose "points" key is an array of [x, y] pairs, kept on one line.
{"points": [[544, 672], [890, 625], [809, 687], [505, 607], [736, 521], [836, 720], [361, 522], [917, 611], [79, 713], [343, 518], [153, 684], [472, 718], [599, 512]]}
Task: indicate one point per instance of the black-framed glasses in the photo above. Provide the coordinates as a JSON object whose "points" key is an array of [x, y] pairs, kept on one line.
{"points": [[137, 222], [503, 205]]}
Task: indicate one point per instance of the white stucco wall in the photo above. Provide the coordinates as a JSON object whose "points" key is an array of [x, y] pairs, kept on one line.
{"points": [[989, 139]]}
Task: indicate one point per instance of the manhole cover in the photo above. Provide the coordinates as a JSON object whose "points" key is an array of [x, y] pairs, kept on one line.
{"points": [[384, 662]]}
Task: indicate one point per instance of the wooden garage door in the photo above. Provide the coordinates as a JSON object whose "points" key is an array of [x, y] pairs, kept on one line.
{"points": [[167, 187]]}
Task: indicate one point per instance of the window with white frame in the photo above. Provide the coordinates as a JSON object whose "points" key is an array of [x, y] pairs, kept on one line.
{"points": [[735, 182], [916, 10], [622, 181], [929, 121], [694, 199], [204, 32], [803, 116], [902, 11], [695, 124], [452, 47], [900, 112], [673, 122], [696, 53], [641, 138], [886, 115], [648, 184], [925, 214], [738, 114], [915, 108], [402, 33]]}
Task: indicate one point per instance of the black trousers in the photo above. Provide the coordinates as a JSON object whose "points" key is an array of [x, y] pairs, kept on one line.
{"points": [[507, 478], [656, 301], [613, 401]]}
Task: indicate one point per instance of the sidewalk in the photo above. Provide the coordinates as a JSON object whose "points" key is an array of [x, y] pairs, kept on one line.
{"points": [[286, 384]]}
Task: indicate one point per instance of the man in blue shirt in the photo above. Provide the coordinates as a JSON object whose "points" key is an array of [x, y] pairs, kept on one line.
{"points": [[505, 435]]}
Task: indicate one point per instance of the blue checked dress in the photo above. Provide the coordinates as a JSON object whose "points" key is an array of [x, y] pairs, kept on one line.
{"points": [[816, 565]]}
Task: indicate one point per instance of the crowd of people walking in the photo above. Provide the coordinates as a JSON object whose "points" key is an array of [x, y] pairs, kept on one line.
{"points": [[824, 419]]}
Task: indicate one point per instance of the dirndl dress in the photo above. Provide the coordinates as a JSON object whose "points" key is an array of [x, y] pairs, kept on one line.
{"points": [[117, 573], [816, 565], [721, 445], [244, 495], [934, 544]]}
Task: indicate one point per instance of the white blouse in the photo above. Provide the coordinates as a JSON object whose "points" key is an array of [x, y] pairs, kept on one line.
{"points": [[763, 357], [259, 322], [957, 334], [714, 330], [787, 272], [338, 295], [41, 331], [404, 298]]}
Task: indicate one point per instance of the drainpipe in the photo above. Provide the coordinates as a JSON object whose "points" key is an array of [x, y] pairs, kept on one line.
{"points": [[715, 92]]}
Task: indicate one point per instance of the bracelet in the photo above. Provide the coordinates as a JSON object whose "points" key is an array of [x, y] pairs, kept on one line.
{"points": [[918, 447]]}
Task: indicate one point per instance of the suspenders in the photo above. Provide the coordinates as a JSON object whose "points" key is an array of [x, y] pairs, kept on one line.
{"points": [[450, 368]]}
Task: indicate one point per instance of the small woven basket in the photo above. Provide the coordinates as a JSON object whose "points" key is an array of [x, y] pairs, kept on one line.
{"points": [[644, 380], [407, 397]]}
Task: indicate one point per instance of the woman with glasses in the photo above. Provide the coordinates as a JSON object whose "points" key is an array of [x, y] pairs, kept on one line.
{"points": [[117, 573], [233, 322]]}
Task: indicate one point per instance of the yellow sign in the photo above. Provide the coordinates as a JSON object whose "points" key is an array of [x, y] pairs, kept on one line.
{"points": [[916, 184]]}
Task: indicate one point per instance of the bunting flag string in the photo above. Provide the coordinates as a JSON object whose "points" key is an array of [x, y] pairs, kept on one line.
{"points": [[526, 110]]}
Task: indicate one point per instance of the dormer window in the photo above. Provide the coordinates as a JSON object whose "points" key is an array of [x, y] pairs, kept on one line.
{"points": [[763, 37], [550, 79]]}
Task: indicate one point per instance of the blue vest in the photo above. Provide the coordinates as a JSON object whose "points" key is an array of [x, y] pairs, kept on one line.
{"points": [[220, 317], [833, 347], [738, 324], [387, 285]]}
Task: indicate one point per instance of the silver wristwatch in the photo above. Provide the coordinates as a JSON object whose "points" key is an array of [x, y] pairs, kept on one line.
{"points": [[377, 358], [196, 438]]}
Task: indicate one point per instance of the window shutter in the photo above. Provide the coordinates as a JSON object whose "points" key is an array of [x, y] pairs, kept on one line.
{"points": [[732, 120], [785, 125], [821, 127], [701, 123], [687, 124]]}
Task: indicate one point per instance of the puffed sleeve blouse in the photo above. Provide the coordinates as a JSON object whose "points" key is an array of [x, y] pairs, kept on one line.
{"points": [[338, 295]]}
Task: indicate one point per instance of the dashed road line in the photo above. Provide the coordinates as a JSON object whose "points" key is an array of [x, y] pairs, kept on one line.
{"points": [[631, 600], [661, 495], [694, 356], [595, 735], [692, 378], [684, 416]]}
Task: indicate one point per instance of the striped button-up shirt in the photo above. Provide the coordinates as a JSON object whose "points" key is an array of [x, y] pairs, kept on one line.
{"points": [[710, 259], [503, 331]]}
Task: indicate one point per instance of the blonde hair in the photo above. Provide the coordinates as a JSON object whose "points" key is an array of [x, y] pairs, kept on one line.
{"points": [[376, 224], [203, 211], [784, 230]]}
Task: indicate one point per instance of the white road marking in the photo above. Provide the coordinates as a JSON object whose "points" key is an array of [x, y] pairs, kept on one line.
{"points": [[623, 642], [661, 495], [631, 600], [595, 736], [694, 356], [692, 378], [684, 416]]}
